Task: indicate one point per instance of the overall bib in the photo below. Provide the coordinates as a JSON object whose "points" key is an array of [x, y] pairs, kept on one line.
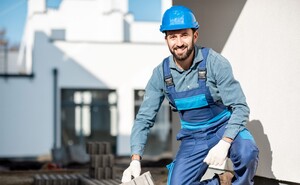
{"points": [[203, 124]]}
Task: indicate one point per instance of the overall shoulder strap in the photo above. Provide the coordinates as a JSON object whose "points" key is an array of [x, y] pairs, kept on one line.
{"points": [[169, 83], [202, 65], [167, 73]]}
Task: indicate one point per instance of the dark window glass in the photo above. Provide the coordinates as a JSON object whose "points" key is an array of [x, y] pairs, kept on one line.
{"points": [[88, 115]]}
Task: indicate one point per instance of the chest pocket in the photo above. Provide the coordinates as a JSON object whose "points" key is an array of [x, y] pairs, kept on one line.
{"points": [[191, 102]]}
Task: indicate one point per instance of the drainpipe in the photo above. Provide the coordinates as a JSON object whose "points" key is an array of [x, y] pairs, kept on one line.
{"points": [[55, 88]]}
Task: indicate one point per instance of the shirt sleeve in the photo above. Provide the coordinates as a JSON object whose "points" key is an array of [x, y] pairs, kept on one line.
{"points": [[146, 115], [231, 94]]}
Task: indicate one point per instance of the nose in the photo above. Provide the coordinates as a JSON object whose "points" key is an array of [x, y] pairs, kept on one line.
{"points": [[179, 42]]}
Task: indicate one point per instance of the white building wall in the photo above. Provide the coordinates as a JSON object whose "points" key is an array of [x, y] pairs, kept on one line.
{"points": [[28, 103], [263, 49], [124, 67], [93, 54], [261, 39], [150, 30]]}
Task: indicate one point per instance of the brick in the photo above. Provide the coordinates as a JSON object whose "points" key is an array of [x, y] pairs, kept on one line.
{"points": [[113, 182], [144, 179], [61, 180], [90, 149], [96, 161], [45, 179], [100, 173], [37, 179], [74, 179], [100, 148], [67, 179], [87, 181], [107, 147], [107, 173]]}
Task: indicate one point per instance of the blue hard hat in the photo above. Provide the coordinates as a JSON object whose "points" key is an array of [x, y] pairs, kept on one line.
{"points": [[177, 18]]}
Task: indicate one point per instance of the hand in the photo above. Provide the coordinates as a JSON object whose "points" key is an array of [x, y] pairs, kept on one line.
{"points": [[134, 170], [218, 154]]}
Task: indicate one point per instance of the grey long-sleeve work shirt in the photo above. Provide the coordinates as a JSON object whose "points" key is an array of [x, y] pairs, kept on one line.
{"points": [[222, 85]]}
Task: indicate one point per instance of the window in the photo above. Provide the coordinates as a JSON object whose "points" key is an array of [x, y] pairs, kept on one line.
{"points": [[88, 115], [54, 4], [145, 10]]}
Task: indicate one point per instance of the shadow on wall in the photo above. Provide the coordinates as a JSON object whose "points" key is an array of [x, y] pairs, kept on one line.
{"points": [[265, 152], [216, 19]]}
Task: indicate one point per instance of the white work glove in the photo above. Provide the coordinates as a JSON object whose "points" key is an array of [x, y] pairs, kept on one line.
{"points": [[218, 154], [134, 170]]}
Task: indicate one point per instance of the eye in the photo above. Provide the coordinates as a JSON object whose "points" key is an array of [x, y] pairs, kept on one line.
{"points": [[185, 34], [172, 36]]}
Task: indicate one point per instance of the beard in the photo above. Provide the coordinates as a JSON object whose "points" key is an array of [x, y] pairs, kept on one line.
{"points": [[185, 55]]}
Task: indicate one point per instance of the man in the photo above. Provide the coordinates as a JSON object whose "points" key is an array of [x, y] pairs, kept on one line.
{"points": [[199, 84]]}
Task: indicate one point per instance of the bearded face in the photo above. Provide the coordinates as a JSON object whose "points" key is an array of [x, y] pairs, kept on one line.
{"points": [[181, 43]]}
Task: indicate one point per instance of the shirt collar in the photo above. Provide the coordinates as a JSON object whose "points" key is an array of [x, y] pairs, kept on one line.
{"points": [[197, 59]]}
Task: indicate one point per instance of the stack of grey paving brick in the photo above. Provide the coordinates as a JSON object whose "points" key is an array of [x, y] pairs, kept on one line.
{"points": [[57, 179], [101, 160], [102, 171]]}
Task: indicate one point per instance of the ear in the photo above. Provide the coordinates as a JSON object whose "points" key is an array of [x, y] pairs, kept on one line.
{"points": [[196, 34], [166, 39]]}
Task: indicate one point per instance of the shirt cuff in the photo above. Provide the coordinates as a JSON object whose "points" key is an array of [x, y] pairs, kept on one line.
{"points": [[231, 132], [136, 149]]}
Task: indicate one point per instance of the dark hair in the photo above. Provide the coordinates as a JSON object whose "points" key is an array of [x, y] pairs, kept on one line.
{"points": [[193, 29]]}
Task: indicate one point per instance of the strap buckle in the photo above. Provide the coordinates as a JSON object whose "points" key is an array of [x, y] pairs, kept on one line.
{"points": [[202, 74], [169, 81]]}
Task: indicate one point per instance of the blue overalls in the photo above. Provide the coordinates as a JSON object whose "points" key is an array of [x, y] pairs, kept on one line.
{"points": [[203, 123]]}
